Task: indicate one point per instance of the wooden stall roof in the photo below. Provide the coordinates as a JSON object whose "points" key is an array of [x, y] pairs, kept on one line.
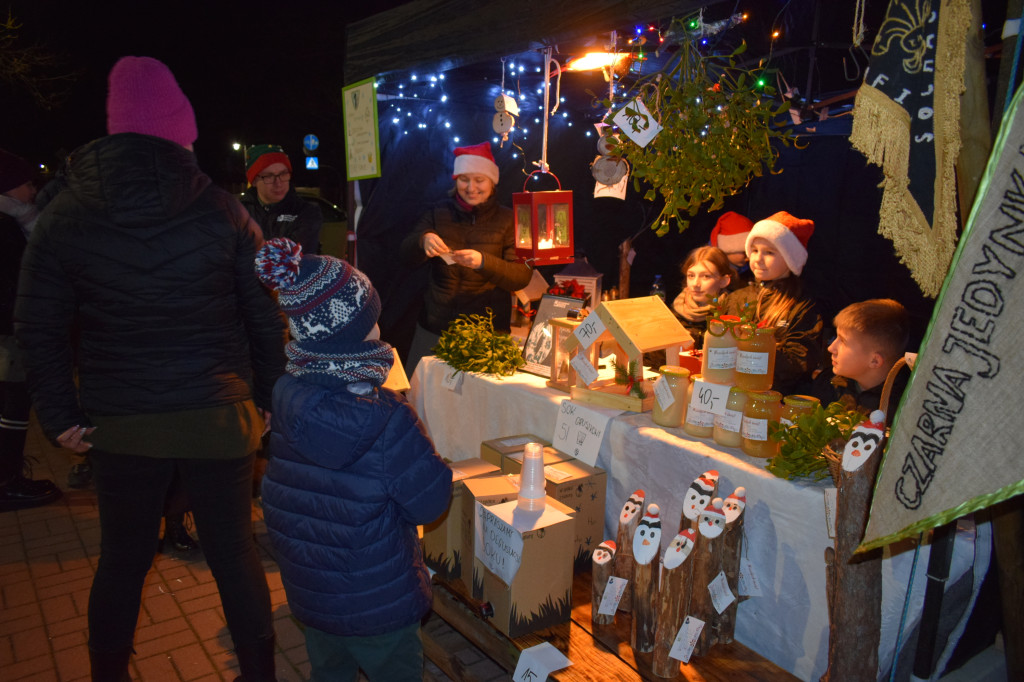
{"points": [[444, 34]]}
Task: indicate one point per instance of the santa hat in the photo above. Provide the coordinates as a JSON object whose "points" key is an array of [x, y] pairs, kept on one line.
{"points": [[689, 535], [608, 545], [730, 232], [143, 97], [788, 234], [708, 480], [652, 515], [875, 421], [331, 309], [714, 509], [475, 159], [740, 495], [14, 171], [260, 156]]}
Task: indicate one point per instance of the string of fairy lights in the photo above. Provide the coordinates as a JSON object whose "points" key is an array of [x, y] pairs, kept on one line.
{"points": [[417, 103]]}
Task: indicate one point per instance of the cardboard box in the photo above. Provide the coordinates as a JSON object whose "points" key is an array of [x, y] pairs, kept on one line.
{"points": [[513, 463], [488, 490], [443, 544], [494, 450], [540, 593], [583, 488]]}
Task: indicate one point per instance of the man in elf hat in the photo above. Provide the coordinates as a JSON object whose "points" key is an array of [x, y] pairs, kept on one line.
{"points": [[470, 242], [272, 201], [177, 351], [18, 215]]}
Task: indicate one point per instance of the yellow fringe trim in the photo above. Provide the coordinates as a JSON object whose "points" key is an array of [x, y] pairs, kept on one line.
{"points": [[881, 131]]}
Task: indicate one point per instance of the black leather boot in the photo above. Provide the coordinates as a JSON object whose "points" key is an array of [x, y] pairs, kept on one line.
{"points": [[256, 661], [176, 535], [109, 667]]}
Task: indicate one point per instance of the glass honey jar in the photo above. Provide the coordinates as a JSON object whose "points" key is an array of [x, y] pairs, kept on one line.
{"points": [[718, 363], [677, 380], [697, 423], [762, 407], [727, 426], [755, 359], [795, 405]]}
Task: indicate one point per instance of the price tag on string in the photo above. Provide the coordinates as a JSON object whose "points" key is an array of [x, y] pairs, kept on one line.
{"points": [[611, 596], [588, 330], [663, 393], [452, 379], [709, 397], [748, 584], [721, 595], [686, 639], [584, 370]]}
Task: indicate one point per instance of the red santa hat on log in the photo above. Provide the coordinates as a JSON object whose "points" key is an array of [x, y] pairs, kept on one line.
{"points": [[476, 158], [788, 234]]}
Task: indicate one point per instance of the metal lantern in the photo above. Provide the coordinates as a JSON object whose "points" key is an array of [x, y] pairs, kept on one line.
{"points": [[543, 225]]}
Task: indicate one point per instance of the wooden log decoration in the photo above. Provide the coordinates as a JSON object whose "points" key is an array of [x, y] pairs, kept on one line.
{"points": [[673, 595], [707, 563], [731, 553], [646, 548], [603, 559], [629, 518], [856, 580], [698, 496]]}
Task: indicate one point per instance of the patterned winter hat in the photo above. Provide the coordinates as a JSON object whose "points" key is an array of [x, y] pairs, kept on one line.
{"points": [[476, 158], [143, 97], [323, 297], [788, 234], [260, 156]]}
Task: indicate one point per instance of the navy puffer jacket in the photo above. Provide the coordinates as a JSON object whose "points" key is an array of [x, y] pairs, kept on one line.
{"points": [[350, 477]]}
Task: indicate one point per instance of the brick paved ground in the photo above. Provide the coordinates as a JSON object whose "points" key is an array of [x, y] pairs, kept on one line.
{"points": [[47, 559]]}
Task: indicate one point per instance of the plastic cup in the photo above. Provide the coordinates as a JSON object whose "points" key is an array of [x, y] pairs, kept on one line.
{"points": [[532, 485]]}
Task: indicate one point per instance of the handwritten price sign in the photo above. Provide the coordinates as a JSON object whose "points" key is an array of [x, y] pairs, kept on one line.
{"points": [[709, 397], [589, 330]]}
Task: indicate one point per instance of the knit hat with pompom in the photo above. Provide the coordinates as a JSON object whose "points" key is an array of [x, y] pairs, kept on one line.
{"points": [[331, 309]]}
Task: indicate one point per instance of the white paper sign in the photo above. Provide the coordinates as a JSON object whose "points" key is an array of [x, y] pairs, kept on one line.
{"points": [[616, 191], [631, 256], [721, 595], [588, 330], [686, 639], [537, 662], [748, 586], [498, 545], [611, 596], [709, 397], [452, 379], [830, 511], [579, 430], [663, 393], [448, 258], [637, 122], [586, 372]]}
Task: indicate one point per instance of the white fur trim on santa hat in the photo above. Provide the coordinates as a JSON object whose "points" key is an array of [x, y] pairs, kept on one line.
{"points": [[787, 243], [471, 163]]}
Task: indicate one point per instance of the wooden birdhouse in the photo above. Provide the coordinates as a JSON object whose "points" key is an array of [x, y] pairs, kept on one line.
{"points": [[633, 327]]}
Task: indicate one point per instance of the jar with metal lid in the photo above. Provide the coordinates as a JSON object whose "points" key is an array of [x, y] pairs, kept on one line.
{"points": [[718, 363], [762, 407], [676, 380], [697, 423], [755, 359], [795, 405], [728, 426]]}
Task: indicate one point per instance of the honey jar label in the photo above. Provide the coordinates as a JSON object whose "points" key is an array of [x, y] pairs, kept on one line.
{"points": [[721, 358], [755, 429], [750, 362]]}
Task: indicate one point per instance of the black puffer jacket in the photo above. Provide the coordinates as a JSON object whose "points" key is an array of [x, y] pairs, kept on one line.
{"points": [[455, 289], [292, 217], [155, 265]]}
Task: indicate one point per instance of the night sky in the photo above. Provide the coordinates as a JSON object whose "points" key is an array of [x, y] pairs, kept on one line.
{"points": [[255, 72]]}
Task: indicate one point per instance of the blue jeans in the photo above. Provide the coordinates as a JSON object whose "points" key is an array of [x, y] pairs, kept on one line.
{"points": [[392, 657], [130, 491]]}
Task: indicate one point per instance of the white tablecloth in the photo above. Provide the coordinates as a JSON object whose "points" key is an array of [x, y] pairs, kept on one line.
{"points": [[785, 530]]}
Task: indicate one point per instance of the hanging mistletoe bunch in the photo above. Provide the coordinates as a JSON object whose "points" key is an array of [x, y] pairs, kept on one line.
{"points": [[718, 123]]}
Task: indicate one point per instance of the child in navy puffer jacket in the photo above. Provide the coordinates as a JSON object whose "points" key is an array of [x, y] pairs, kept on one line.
{"points": [[351, 475]]}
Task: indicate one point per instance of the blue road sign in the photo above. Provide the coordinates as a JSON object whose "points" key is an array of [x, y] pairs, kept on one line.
{"points": [[310, 142], [312, 163]]}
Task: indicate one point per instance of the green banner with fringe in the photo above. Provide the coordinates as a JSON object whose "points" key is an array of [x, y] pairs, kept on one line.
{"points": [[955, 445]]}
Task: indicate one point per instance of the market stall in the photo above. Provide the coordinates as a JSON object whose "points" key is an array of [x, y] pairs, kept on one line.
{"points": [[786, 527]]}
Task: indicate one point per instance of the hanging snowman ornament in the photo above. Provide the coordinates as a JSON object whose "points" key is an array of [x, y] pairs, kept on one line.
{"points": [[633, 505], [735, 504], [866, 438], [505, 120], [679, 549], [699, 494], [712, 519], [647, 538]]}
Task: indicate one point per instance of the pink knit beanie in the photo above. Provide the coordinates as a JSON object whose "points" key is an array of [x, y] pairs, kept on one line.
{"points": [[143, 97]]}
